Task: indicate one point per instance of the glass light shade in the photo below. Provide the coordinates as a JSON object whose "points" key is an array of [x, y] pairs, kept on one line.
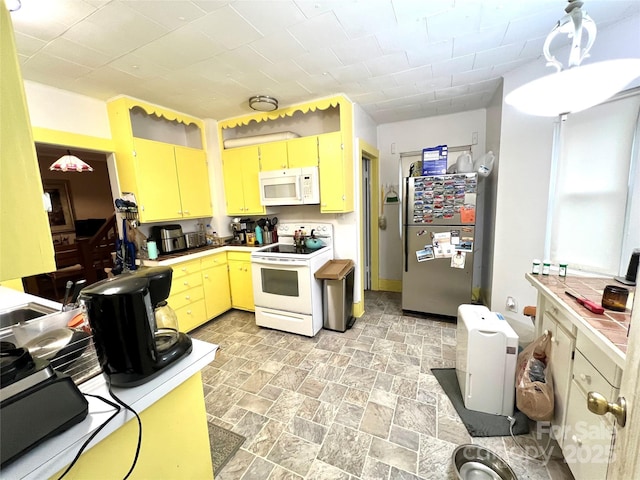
{"points": [[575, 89], [263, 103], [70, 163]]}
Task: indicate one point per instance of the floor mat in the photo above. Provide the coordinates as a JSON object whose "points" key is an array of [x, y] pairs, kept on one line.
{"points": [[224, 445], [478, 424]]}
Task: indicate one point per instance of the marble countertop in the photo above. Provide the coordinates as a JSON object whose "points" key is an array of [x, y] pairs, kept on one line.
{"points": [[611, 326]]}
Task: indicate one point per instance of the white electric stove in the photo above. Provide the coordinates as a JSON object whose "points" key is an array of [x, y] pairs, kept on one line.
{"points": [[287, 296]]}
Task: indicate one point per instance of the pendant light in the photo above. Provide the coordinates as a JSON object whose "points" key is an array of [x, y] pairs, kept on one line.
{"points": [[263, 103], [577, 87], [70, 163]]}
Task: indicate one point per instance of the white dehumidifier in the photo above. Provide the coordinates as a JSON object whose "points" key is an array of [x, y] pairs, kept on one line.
{"points": [[486, 356]]}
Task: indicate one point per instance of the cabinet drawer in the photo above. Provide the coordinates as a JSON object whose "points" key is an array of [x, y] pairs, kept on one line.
{"points": [[214, 260], [185, 282], [587, 439], [589, 379], [599, 361], [557, 313], [241, 256], [185, 298], [192, 315], [185, 268]]}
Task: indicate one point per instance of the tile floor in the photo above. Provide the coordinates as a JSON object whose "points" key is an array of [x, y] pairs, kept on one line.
{"points": [[356, 405]]}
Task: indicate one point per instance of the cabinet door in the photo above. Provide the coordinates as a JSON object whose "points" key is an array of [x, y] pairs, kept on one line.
{"points": [[332, 175], [273, 156], [233, 182], [193, 179], [217, 295], [303, 152], [251, 185], [158, 195], [241, 285], [562, 345]]}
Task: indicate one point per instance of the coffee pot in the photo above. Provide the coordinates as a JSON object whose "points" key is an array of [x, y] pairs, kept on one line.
{"points": [[135, 331]]}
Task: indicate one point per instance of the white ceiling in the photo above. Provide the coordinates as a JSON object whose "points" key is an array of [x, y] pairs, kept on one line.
{"points": [[398, 59]]}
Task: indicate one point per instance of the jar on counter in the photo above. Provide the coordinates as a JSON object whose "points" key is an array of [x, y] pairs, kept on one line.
{"points": [[546, 267], [562, 270], [535, 267], [615, 298]]}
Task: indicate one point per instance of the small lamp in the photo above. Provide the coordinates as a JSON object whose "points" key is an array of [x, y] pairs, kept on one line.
{"points": [[263, 103], [70, 163], [577, 87]]}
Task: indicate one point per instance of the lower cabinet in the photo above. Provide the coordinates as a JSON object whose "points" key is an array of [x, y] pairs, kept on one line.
{"points": [[204, 288], [579, 367], [240, 280], [187, 295], [562, 347], [215, 283]]}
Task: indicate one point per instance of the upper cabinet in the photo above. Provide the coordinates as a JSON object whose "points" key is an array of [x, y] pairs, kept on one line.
{"points": [[26, 247], [161, 159], [324, 131]]}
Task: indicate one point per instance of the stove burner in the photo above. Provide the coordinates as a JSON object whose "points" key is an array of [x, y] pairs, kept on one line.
{"points": [[285, 248]]}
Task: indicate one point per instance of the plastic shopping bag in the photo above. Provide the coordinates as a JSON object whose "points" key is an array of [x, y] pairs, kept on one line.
{"points": [[534, 385]]}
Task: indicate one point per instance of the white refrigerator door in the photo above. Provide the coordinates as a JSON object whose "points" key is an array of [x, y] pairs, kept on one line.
{"points": [[434, 286]]}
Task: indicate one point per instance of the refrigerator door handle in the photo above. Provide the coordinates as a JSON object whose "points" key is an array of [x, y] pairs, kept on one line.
{"points": [[404, 215]]}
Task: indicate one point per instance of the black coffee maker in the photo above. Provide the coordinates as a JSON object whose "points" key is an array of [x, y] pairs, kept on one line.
{"points": [[135, 331]]}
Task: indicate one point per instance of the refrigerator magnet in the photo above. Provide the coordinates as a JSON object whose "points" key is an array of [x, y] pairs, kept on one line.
{"points": [[457, 260], [455, 237], [468, 214], [425, 254], [465, 246]]}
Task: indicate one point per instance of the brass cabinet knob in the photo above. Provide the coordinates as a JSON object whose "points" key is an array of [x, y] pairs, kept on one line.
{"points": [[598, 404]]}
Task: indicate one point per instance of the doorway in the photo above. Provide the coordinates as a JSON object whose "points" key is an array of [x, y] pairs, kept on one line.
{"points": [[369, 205], [81, 205]]}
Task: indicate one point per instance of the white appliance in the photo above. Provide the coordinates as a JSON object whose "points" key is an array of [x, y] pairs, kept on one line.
{"points": [[293, 186], [486, 357], [286, 293]]}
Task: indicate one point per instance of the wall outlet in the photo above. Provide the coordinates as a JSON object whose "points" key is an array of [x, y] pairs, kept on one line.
{"points": [[474, 138], [511, 304]]}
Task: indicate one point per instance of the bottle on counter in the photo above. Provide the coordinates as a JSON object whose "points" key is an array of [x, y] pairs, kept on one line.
{"points": [[259, 235], [211, 235], [546, 267], [535, 267], [562, 270]]}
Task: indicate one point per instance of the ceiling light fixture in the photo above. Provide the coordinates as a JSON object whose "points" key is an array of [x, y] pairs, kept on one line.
{"points": [[577, 87], [70, 163], [13, 5], [263, 103]]}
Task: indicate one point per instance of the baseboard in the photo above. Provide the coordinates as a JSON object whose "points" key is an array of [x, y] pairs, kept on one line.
{"points": [[390, 285]]}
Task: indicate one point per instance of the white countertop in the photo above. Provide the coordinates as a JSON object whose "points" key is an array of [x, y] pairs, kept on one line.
{"points": [[55, 453]]}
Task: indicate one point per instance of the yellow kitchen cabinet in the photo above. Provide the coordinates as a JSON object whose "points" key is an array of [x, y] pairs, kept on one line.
{"points": [[175, 442], [303, 152], [273, 156], [336, 175], [240, 167], [215, 283], [187, 295], [158, 193], [240, 280], [26, 247], [161, 159]]}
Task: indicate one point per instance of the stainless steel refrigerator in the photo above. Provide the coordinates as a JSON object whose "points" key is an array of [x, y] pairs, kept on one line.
{"points": [[439, 227]]}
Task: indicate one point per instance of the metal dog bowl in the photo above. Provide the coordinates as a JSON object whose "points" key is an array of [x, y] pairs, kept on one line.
{"points": [[473, 462]]}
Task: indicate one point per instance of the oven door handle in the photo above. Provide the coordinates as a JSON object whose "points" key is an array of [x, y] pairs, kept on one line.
{"points": [[284, 262]]}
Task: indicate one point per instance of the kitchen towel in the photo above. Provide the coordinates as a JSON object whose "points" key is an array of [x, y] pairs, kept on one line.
{"points": [[478, 424]]}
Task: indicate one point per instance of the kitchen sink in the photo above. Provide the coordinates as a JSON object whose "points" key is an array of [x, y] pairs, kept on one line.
{"points": [[23, 313]]}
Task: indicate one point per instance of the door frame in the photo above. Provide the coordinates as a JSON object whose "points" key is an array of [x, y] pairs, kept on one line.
{"points": [[373, 154]]}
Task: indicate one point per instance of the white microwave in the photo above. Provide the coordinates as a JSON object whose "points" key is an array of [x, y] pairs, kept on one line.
{"points": [[293, 186]]}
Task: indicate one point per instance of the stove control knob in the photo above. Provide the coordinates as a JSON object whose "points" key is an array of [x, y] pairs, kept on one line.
{"points": [[284, 228]]}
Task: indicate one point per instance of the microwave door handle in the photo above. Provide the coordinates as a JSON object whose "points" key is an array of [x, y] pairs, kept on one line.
{"points": [[299, 187]]}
